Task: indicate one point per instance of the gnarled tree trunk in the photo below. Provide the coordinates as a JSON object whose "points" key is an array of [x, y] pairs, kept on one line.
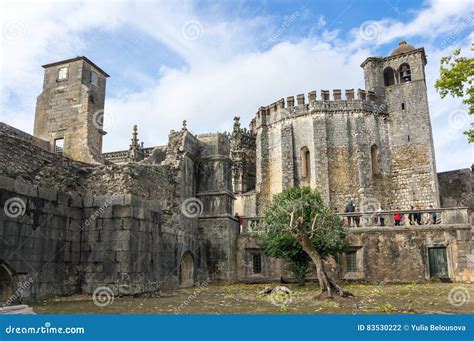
{"points": [[329, 287]]}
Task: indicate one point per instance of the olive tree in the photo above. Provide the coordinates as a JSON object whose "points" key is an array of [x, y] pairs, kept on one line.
{"points": [[300, 213], [279, 244]]}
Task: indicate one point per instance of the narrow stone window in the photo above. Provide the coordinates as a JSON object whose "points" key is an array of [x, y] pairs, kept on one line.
{"points": [[405, 73], [94, 78], [305, 162], [257, 263], [374, 153], [59, 146], [403, 106], [389, 76], [408, 138], [62, 73], [351, 260]]}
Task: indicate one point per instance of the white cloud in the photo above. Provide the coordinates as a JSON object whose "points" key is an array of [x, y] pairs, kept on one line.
{"points": [[226, 72], [436, 18]]}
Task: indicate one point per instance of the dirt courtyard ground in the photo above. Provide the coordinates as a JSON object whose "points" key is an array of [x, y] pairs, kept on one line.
{"points": [[427, 298]]}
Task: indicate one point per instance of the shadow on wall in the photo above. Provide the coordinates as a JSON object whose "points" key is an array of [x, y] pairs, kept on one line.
{"points": [[7, 282]]}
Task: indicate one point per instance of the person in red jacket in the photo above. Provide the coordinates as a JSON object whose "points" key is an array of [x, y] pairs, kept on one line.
{"points": [[397, 217]]}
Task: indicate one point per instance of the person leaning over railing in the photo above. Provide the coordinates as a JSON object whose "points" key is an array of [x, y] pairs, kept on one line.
{"points": [[434, 216], [381, 216], [397, 217]]}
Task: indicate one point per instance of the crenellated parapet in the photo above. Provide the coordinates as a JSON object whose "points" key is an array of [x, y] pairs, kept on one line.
{"points": [[351, 101]]}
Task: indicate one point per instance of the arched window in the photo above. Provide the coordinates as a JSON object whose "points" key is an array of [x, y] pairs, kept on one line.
{"points": [[305, 162], [405, 73], [374, 153], [389, 76]]}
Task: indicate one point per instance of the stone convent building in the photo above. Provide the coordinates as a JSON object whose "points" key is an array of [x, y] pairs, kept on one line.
{"points": [[75, 219]]}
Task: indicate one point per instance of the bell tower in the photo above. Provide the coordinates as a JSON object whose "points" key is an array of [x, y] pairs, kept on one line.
{"points": [[399, 80], [70, 109]]}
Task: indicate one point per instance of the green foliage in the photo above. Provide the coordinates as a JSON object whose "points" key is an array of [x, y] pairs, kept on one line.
{"points": [[456, 79], [282, 245], [323, 227]]}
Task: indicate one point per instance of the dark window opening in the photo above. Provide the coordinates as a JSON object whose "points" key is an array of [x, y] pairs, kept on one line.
{"points": [[305, 162], [374, 153], [408, 138], [257, 264], [403, 106], [59, 146], [405, 73], [351, 258], [94, 78], [389, 76]]}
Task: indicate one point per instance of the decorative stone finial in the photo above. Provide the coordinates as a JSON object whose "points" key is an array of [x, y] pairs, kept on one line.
{"points": [[236, 124], [134, 143], [135, 153], [185, 125]]}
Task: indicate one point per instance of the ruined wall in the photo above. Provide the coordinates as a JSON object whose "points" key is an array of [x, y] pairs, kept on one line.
{"points": [[72, 108], [122, 225], [39, 238]]}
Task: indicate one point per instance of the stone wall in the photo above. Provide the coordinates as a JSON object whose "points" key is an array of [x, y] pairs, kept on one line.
{"points": [[404, 252], [121, 226], [455, 188], [39, 238], [273, 269]]}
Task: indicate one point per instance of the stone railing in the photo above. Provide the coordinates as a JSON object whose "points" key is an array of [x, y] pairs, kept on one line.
{"points": [[249, 224], [444, 216]]}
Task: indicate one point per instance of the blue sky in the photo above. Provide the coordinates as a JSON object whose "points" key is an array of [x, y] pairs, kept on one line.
{"points": [[208, 61]]}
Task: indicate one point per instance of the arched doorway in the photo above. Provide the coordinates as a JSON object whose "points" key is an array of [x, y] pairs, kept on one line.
{"points": [[186, 270], [7, 282]]}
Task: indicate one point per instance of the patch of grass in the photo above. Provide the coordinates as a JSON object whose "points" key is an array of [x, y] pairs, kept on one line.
{"points": [[410, 298]]}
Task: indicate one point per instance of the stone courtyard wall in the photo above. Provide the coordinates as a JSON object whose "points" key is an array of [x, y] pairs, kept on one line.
{"points": [[119, 226], [39, 238], [404, 251]]}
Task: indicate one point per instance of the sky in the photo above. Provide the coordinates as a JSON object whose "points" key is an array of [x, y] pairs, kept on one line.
{"points": [[208, 61]]}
